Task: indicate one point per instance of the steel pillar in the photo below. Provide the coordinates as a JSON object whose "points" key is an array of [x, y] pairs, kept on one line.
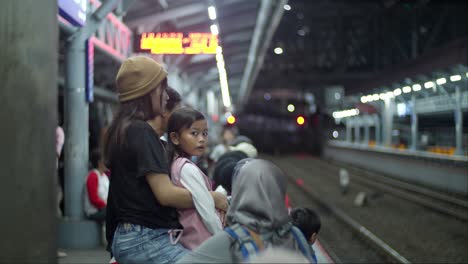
{"points": [[414, 124], [28, 110], [458, 123], [74, 230]]}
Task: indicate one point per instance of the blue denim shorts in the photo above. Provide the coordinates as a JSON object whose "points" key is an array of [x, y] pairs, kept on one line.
{"points": [[138, 244]]}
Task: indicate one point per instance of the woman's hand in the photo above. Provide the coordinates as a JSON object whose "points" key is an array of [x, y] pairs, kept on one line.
{"points": [[220, 200]]}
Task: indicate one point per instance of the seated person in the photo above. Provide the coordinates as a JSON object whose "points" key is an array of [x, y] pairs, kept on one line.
{"points": [[97, 189], [309, 223], [224, 169], [257, 216]]}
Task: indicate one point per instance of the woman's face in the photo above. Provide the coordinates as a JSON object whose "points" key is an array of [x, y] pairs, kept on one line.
{"points": [[159, 99]]}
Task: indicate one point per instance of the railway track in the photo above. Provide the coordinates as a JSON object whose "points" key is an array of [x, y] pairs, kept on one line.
{"points": [[436, 201], [385, 252], [409, 227]]}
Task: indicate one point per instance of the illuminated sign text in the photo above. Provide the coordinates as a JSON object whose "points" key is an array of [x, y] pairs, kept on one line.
{"points": [[177, 43]]}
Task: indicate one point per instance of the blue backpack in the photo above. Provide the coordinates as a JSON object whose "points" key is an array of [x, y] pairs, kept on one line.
{"points": [[250, 247]]}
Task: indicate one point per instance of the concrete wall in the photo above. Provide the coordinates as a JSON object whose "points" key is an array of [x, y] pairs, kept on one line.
{"points": [[443, 174]]}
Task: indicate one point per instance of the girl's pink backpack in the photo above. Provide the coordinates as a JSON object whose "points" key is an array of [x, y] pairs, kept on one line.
{"points": [[195, 231]]}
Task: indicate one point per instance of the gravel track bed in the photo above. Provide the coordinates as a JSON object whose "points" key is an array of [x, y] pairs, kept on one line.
{"points": [[419, 234], [337, 236]]}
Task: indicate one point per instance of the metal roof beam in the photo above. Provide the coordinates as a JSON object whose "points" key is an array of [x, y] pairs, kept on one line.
{"points": [[151, 21], [267, 21]]}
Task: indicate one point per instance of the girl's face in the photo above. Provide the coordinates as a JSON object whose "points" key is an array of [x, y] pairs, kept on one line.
{"points": [[192, 141]]}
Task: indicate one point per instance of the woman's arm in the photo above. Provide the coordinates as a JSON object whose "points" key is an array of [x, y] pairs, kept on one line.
{"points": [[167, 193], [194, 182]]}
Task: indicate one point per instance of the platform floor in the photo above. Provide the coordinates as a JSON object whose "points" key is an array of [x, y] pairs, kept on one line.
{"points": [[99, 255]]}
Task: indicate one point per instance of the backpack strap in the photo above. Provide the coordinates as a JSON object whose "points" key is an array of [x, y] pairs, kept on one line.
{"points": [[302, 243], [247, 244]]}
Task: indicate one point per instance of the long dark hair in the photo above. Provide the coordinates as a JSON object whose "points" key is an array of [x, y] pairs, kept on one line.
{"points": [[140, 108], [180, 119]]}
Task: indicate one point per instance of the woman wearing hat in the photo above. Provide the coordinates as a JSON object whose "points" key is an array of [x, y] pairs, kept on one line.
{"points": [[142, 221]]}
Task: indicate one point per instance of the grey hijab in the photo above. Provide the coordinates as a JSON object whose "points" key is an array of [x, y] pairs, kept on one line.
{"points": [[258, 192]]}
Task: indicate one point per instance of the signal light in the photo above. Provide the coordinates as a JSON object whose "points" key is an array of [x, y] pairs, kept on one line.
{"points": [[300, 120], [231, 120]]}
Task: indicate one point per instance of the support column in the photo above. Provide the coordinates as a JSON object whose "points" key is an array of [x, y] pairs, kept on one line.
{"points": [[74, 230], [378, 134], [28, 110], [414, 124], [387, 121], [76, 128], [458, 123], [348, 130]]}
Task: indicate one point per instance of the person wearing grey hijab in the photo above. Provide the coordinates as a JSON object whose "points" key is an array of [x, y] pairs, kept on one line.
{"points": [[258, 192]]}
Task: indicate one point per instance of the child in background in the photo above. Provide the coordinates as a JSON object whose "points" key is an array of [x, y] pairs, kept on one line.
{"points": [[97, 189], [309, 223], [188, 133]]}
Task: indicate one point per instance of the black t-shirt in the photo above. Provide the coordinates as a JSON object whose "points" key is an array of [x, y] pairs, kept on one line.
{"points": [[130, 197]]}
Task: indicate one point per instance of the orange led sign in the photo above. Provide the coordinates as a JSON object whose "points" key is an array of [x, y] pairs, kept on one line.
{"points": [[178, 43]]}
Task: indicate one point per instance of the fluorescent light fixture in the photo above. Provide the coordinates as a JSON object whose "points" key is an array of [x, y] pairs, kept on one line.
{"points": [[370, 98], [416, 87], [389, 95], [406, 89], [214, 29], [382, 96], [278, 50], [212, 12], [345, 113], [428, 85], [287, 7], [441, 81], [363, 99], [397, 92], [455, 78], [375, 97]]}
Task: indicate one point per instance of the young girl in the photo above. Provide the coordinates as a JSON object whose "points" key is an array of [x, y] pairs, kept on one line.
{"points": [[188, 133]]}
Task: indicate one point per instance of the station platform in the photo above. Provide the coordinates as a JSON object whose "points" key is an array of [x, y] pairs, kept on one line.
{"points": [[100, 255], [85, 256]]}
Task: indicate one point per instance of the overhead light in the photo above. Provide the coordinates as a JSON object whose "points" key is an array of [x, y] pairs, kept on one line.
{"points": [[287, 7], [416, 87], [466, 74], [212, 12], [441, 81], [335, 134], [363, 99], [406, 89], [278, 50], [291, 108], [389, 95], [214, 29], [382, 96], [455, 78], [369, 98], [375, 97], [345, 113], [397, 92], [428, 85]]}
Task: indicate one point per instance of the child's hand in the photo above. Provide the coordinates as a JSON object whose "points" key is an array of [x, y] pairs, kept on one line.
{"points": [[220, 201]]}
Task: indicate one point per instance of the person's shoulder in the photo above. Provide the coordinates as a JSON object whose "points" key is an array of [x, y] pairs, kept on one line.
{"points": [[140, 128], [139, 124]]}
